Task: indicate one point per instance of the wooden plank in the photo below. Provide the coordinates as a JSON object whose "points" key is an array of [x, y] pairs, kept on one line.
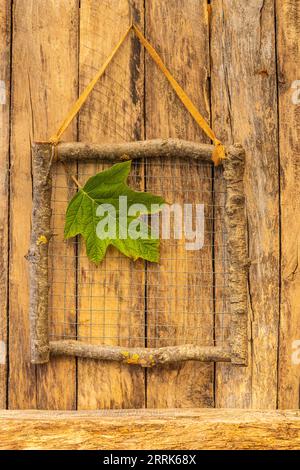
{"points": [[132, 430], [5, 51], [288, 50], [111, 296], [176, 300], [44, 86], [57, 379], [244, 110]]}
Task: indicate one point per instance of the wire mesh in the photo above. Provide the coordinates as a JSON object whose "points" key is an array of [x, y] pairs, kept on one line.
{"points": [[181, 300]]}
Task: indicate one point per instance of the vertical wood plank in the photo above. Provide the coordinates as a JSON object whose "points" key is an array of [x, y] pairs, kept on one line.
{"points": [[111, 296], [244, 110], [44, 86], [56, 381], [5, 52], [181, 37], [288, 50]]}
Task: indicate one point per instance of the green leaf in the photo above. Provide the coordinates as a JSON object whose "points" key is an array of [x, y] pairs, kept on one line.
{"points": [[83, 216]]}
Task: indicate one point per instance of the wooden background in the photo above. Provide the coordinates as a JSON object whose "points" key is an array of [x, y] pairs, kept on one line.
{"points": [[238, 61]]}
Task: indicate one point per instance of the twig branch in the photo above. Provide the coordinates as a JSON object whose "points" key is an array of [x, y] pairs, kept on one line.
{"points": [[173, 148], [145, 357]]}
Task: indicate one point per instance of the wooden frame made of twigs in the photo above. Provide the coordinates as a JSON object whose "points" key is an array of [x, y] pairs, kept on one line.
{"points": [[43, 155]]}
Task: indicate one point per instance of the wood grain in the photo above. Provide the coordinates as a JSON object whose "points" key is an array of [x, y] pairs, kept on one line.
{"points": [[244, 110], [243, 96], [151, 429], [288, 57], [44, 85], [113, 113], [5, 51], [180, 36]]}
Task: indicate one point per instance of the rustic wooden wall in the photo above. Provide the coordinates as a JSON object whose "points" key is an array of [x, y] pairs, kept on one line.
{"points": [[239, 62]]}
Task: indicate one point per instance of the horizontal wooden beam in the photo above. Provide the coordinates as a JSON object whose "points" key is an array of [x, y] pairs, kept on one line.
{"points": [[150, 429], [145, 357], [67, 151]]}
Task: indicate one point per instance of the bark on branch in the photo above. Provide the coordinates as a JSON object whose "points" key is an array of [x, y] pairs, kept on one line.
{"points": [[235, 223], [67, 151]]}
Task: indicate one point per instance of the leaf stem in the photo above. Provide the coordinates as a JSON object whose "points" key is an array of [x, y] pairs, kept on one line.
{"points": [[76, 181]]}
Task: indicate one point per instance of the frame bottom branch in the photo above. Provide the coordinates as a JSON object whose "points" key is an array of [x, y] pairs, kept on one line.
{"points": [[145, 357]]}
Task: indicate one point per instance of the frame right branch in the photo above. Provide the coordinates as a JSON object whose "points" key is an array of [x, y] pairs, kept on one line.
{"points": [[235, 222], [44, 155]]}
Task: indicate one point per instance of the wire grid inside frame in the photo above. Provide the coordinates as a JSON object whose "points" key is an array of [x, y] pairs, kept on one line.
{"points": [[182, 300]]}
